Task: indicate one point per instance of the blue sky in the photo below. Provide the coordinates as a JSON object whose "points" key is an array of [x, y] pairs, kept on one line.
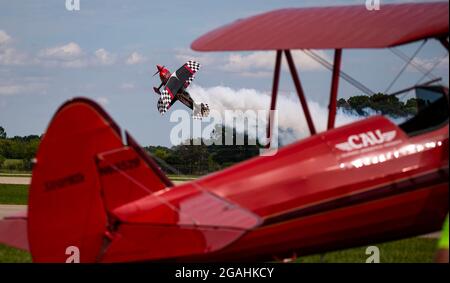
{"points": [[108, 51]]}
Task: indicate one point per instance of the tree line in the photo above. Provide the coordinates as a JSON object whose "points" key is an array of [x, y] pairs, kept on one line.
{"points": [[16, 153], [385, 104], [206, 156]]}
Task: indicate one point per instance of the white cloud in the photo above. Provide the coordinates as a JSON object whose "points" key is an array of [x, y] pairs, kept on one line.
{"points": [[255, 60], [8, 55], [127, 86], [262, 63], [4, 38], [135, 58], [428, 63], [103, 57], [183, 55], [71, 55], [256, 74], [9, 89], [77, 63], [102, 100], [68, 52], [11, 56]]}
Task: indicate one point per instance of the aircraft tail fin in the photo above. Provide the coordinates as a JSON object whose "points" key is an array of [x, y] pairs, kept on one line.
{"points": [[83, 171], [200, 111]]}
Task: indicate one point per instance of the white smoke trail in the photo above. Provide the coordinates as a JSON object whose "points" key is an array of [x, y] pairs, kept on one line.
{"points": [[291, 122]]}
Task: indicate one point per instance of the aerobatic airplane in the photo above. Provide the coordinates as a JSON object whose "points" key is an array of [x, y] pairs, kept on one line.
{"points": [[363, 183], [174, 89]]}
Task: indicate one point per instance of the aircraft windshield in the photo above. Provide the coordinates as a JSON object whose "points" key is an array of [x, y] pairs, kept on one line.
{"points": [[430, 109]]}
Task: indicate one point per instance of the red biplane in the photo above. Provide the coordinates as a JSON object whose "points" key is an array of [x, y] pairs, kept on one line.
{"points": [[363, 183], [175, 89]]}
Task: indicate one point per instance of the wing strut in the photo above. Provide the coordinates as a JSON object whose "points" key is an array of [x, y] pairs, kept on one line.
{"points": [[334, 88], [333, 94], [300, 92], [273, 102]]}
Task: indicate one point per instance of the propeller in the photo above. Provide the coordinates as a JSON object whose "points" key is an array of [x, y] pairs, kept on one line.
{"points": [[159, 70]]}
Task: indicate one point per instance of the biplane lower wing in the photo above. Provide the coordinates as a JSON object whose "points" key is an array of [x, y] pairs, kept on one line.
{"points": [[105, 196], [13, 231]]}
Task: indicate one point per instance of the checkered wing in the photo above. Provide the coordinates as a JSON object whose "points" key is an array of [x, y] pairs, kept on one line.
{"points": [[164, 101], [193, 67]]}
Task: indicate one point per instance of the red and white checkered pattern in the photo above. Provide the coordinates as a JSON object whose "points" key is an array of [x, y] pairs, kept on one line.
{"points": [[164, 101]]}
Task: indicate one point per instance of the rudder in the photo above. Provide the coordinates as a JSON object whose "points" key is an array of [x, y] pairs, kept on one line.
{"points": [[69, 198]]}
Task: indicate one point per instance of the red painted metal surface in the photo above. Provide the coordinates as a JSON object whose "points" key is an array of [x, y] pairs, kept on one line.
{"points": [[300, 92], [75, 182], [273, 101], [13, 231], [444, 42], [334, 88], [330, 28]]}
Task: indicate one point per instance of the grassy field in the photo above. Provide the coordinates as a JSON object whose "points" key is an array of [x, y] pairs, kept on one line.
{"points": [[11, 255], [18, 194], [14, 174], [415, 250], [13, 165], [13, 194]]}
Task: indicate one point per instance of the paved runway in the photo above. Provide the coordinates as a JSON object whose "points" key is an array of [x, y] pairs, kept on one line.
{"points": [[15, 180], [27, 180], [10, 209]]}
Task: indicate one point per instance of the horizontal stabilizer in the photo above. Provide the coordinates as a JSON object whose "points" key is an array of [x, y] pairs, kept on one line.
{"points": [[172, 224]]}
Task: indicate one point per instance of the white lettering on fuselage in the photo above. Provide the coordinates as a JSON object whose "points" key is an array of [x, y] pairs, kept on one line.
{"points": [[366, 139]]}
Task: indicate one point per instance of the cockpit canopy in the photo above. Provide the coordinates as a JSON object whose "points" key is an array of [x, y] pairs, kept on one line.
{"points": [[431, 108]]}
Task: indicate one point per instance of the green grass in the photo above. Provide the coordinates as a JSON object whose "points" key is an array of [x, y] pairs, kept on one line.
{"points": [[18, 194], [414, 250], [11, 255], [13, 165], [13, 194], [182, 177], [16, 174]]}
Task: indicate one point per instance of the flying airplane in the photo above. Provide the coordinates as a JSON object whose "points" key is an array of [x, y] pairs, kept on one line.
{"points": [[175, 89], [363, 183]]}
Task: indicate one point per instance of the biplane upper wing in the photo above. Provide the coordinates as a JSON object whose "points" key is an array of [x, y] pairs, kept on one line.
{"points": [[182, 78], [193, 67]]}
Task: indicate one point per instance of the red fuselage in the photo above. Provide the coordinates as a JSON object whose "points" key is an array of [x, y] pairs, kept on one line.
{"points": [[363, 183], [322, 198]]}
